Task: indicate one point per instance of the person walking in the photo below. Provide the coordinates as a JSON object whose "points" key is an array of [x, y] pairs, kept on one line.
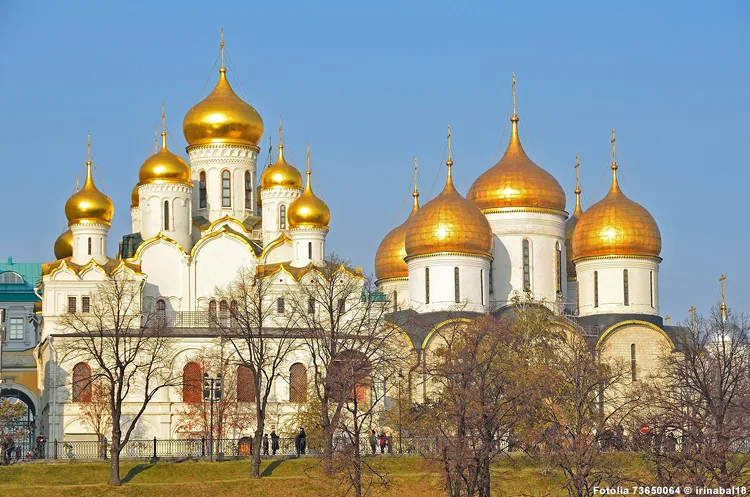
{"points": [[274, 442], [103, 447], [373, 441], [41, 441], [300, 442], [265, 444], [383, 441]]}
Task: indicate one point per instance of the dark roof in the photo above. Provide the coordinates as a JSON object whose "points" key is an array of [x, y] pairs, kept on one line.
{"points": [[417, 326]]}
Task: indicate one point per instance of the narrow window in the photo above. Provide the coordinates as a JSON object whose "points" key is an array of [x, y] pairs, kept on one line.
{"points": [[632, 362], [85, 304], [280, 305], [298, 383], [456, 286], [342, 306], [212, 313], [89, 245], [226, 189], [101, 246], [192, 377], [596, 288], [526, 266], [248, 191], [625, 289], [395, 301], [578, 298], [481, 285], [245, 384], [426, 285], [224, 312], [558, 266], [309, 250], [82, 382], [282, 217], [71, 304], [166, 215], [311, 305], [492, 273], [202, 190], [651, 286]]}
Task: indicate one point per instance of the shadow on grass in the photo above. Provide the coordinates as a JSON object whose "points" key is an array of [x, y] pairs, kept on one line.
{"points": [[136, 470], [271, 467]]}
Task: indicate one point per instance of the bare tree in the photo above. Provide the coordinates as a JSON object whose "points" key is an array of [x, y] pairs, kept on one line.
{"points": [[261, 337], [351, 348], [98, 412], [699, 408], [130, 349]]}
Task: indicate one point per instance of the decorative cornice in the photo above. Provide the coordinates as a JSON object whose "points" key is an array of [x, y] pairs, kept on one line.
{"points": [[279, 192], [150, 241], [222, 149], [391, 280], [223, 231], [169, 186], [435, 254], [541, 210], [302, 229], [612, 256], [634, 322]]}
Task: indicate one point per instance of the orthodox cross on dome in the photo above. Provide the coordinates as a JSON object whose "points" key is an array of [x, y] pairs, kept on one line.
{"points": [[88, 146], [614, 150], [723, 302], [221, 47], [308, 157], [281, 132], [667, 318], [578, 181], [163, 116], [513, 87], [416, 193], [692, 318]]}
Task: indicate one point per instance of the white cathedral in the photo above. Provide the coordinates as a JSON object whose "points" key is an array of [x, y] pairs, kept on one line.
{"points": [[194, 225]]}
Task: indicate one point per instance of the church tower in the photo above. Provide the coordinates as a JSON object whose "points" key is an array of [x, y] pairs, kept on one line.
{"points": [[308, 225], [223, 133]]}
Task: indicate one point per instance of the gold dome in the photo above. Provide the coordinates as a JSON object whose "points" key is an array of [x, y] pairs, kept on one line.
{"points": [[616, 226], [64, 245], [164, 167], [89, 205], [134, 198], [515, 181], [222, 117], [449, 223], [389, 259], [281, 174], [570, 226], [307, 210]]}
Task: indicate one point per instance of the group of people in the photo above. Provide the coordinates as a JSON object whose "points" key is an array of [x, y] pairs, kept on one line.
{"points": [[272, 443], [12, 450], [383, 440]]}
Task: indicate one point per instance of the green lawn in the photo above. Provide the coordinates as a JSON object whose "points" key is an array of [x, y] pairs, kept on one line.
{"points": [[410, 477]]}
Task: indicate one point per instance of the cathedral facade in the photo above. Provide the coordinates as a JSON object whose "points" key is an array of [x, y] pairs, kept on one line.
{"points": [[195, 224]]}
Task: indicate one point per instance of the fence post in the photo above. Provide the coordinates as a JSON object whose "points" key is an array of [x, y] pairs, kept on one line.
{"points": [[203, 446], [55, 448], [154, 447]]}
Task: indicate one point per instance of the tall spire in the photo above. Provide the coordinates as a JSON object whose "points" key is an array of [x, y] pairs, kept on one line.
{"points": [[577, 191], [513, 87], [163, 116], [415, 193], [308, 186], [221, 47], [723, 301], [615, 186], [514, 117], [281, 141], [163, 129], [88, 146], [449, 162]]}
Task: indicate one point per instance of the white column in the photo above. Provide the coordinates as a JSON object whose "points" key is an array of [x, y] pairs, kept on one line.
{"points": [[397, 291], [135, 219], [602, 286], [473, 282], [89, 242], [272, 200], [179, 222], [308, 245]]}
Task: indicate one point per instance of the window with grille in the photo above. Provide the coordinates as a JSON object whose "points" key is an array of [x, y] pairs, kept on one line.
{"points": [[82, 391], [161, 306], [596, 288], [192, 379], [15, 329], [10, 278], [166, 215], [426, 285], [298, 383], [224, 312], [282, 217], [280, 304], [245, 384], [226, 189], [526, 266], [202, 190], [72, 304], [342, 306], [456, 285], [311, 305], [85, 304], [248, 191], [625, 287]]}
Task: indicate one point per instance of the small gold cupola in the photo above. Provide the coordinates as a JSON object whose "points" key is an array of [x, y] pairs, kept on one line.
{"points": [[89, 205], [64, 245], [307, 210], [281, 174]]}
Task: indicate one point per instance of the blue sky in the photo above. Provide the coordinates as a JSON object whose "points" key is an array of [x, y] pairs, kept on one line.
{"points": [[371, 86]]}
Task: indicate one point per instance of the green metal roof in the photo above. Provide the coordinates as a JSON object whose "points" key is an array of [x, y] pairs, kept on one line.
{"points": [[31, 272]]}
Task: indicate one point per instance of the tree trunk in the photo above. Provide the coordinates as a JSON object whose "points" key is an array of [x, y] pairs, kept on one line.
{"points": [[257, 445], [114, 466]]}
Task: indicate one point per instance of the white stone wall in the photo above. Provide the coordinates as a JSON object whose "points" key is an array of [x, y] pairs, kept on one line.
{"points": [[272, 199], [82, 233], [135, 219], [213, 159], [473, 295], [651, 346], [571, 302], [544, 230], [151, 204], [305, 239], [397, 290], [643, 295]]}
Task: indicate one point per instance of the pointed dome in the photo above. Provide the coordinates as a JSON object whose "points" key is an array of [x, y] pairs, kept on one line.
{"points": [[163, 167], [281, 174], [134, 197], [308, 211], [449, 223], [616, 226], [515, 181], [570, 226], [389, 259], [89, 205], [64, 245], [222, 117]]}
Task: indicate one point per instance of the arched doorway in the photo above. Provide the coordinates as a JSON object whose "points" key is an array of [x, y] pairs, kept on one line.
{"points": [[21, 426]]}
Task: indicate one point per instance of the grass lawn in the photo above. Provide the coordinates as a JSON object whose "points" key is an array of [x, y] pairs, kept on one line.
{"points": [[409, 476]]}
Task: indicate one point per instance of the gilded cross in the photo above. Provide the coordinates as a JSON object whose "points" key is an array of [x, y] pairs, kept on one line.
{"points": [[222, 47]]}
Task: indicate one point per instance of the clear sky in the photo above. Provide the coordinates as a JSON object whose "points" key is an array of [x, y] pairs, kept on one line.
{"points": [[372, 85]]}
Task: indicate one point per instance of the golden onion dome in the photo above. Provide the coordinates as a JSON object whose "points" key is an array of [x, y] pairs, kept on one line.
{"points": [[64, 245], [164, 167], [449, 223], [389, 259], [570, 226], [515, 181], [89, 205], [222, 117], [134, 197], [281, 174], [307, 210], [616, 226]]}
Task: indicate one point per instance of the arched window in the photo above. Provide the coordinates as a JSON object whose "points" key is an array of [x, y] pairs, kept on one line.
{"points": [[89, 245], [491, 275], [456, 286], [161, 306], [226, 189], [632, 362], [202, 190], [233, 310], [558, 266], [526, 266], [309, 250], [248, 191], [311, 305], [596, 288], [11, 278], [395, 301], [282, 217], [212, 313], [166, 215], [651, 286], [298, 383], [82, 387], [192, 376], [426, 285], [481, 285], [625, 287], [245, 384], [224, 312]]}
